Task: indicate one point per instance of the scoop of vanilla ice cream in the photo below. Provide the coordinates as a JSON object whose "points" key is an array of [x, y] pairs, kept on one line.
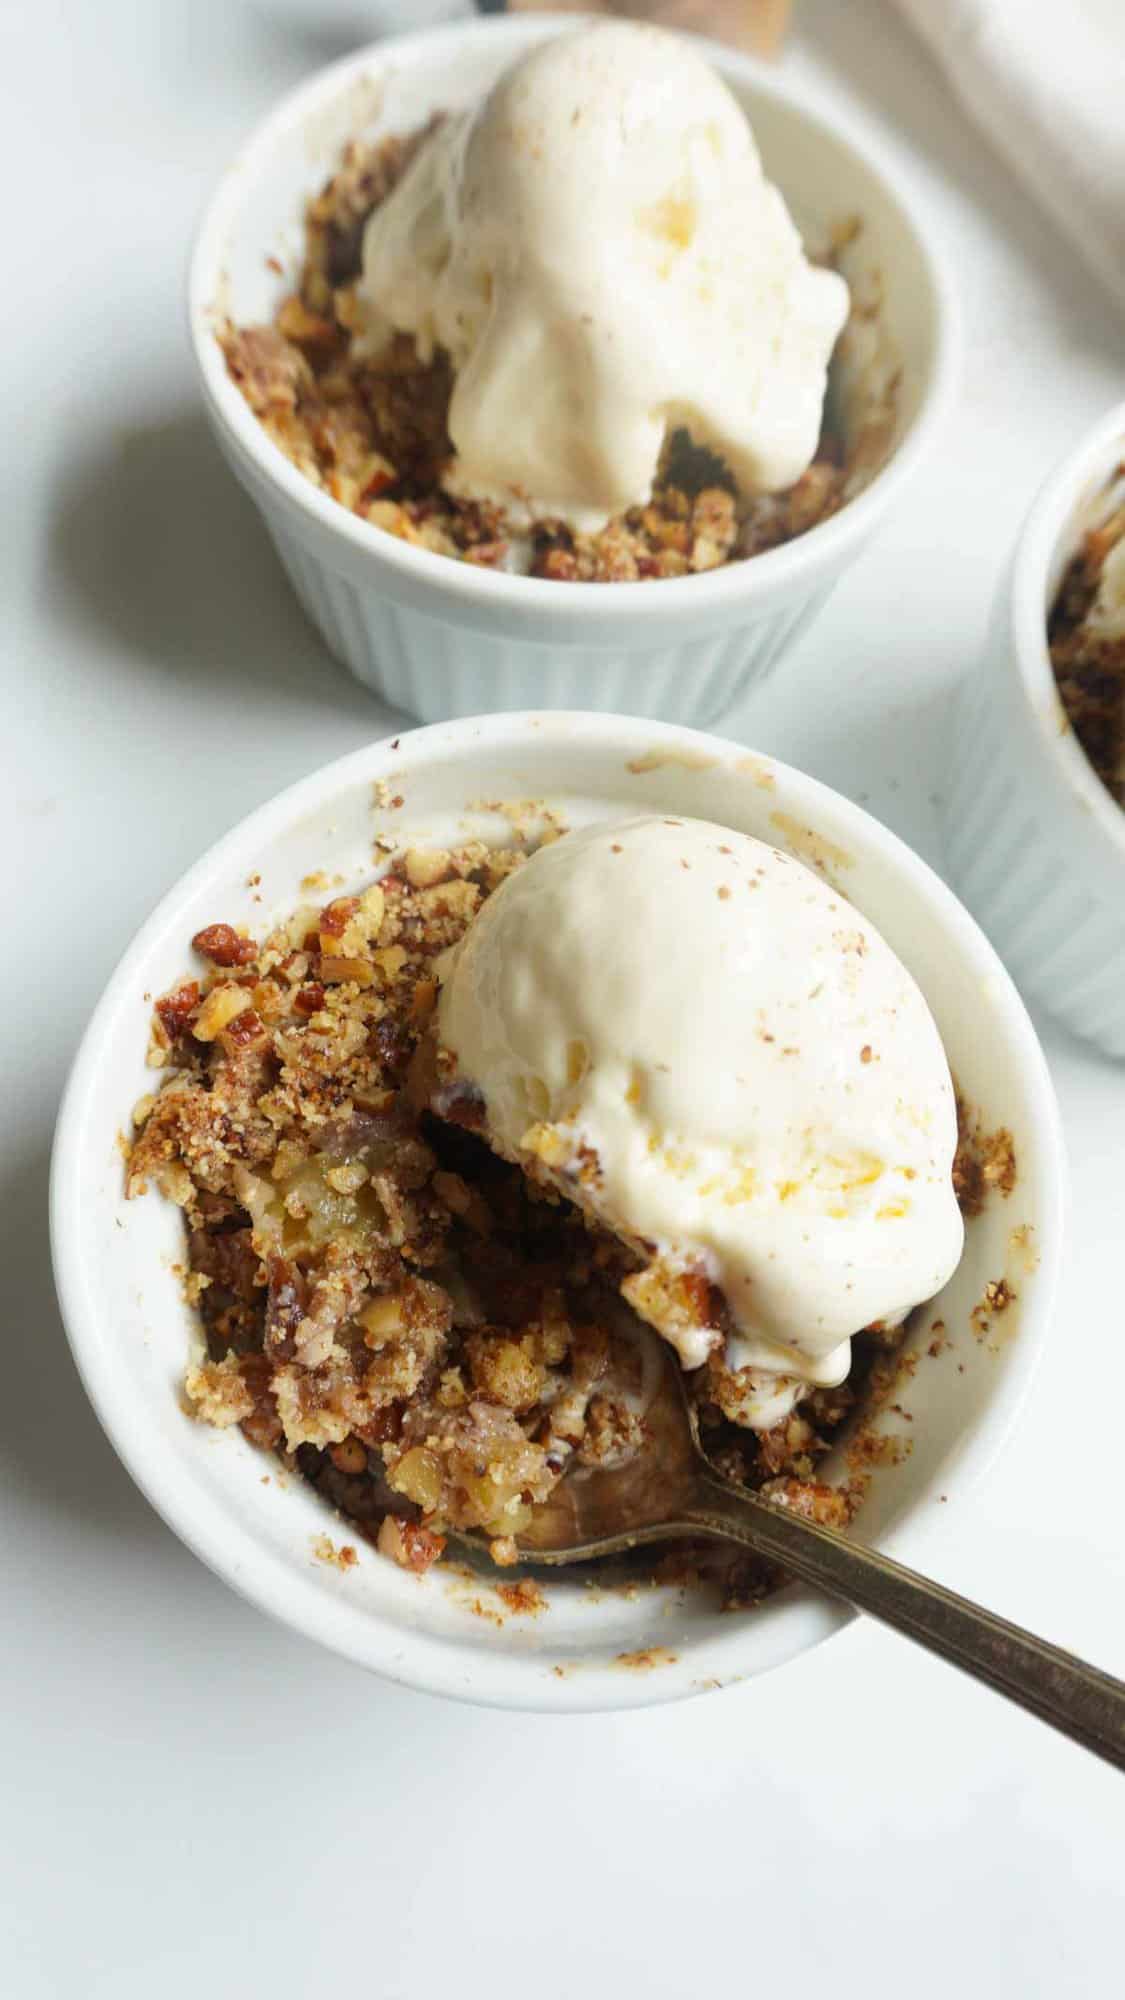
{"points": [[718, 1057], [598, 249]]}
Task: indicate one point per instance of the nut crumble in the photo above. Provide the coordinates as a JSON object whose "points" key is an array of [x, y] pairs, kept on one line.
{"points": [[429, 1337]]}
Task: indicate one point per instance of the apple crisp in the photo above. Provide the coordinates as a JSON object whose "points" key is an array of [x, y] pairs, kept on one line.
{"points": [[431, 1338], [371, 431], [1087, 643]]}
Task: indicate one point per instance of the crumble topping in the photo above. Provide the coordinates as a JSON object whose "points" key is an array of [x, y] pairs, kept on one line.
{"points": [[429, 1337], [1088, 654], [371, 431]]}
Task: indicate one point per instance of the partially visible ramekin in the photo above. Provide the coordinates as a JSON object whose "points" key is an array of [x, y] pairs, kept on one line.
{"points": [[441, 638], [1035, 843], [116, 1262]]}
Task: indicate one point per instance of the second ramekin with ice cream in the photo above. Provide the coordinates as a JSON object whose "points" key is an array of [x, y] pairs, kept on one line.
{"points": [[442, 637]]}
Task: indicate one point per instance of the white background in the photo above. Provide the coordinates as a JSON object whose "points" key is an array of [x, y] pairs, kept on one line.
{"points": [[192, 1801]]}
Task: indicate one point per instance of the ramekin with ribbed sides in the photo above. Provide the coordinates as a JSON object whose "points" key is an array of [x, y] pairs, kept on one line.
{"points": [[442, 638], [1036, 844], [132, 1332]]}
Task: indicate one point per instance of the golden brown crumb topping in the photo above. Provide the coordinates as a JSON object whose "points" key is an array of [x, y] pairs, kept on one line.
{"points": [[428, 1336]]}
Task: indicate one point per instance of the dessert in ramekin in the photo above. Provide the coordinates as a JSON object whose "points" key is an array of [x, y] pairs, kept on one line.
{"points": [[1034, 830], [444, 638], [961, 1369], [456, 1152]]}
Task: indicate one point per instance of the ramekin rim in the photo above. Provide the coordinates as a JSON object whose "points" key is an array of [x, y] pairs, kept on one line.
{"points": [[731, 585]]}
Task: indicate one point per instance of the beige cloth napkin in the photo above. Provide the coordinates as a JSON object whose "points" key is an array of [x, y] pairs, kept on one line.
{"points": [[1045, 80], [751, 24]]}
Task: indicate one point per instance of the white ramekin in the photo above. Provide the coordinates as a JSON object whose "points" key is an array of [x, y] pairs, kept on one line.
{"points": [[130, 1328], [441, 638], [1035, 843]]}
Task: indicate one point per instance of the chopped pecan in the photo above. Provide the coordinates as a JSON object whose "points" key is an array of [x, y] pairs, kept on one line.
{"points": [[177, 1008], [310, 999], [242, 1030], [335, 917], [223, 946]]}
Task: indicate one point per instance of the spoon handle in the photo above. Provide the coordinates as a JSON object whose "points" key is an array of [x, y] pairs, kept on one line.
{"points": [[1077, 1699]]}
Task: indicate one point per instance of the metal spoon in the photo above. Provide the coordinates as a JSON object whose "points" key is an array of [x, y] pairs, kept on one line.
{"points": [[669, 1490]]}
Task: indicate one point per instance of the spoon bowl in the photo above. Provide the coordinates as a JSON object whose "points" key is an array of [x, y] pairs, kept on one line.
{"points": [[669, 1491]]}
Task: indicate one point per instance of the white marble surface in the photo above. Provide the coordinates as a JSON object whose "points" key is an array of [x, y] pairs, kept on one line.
{"points": [[191, 1800]]}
